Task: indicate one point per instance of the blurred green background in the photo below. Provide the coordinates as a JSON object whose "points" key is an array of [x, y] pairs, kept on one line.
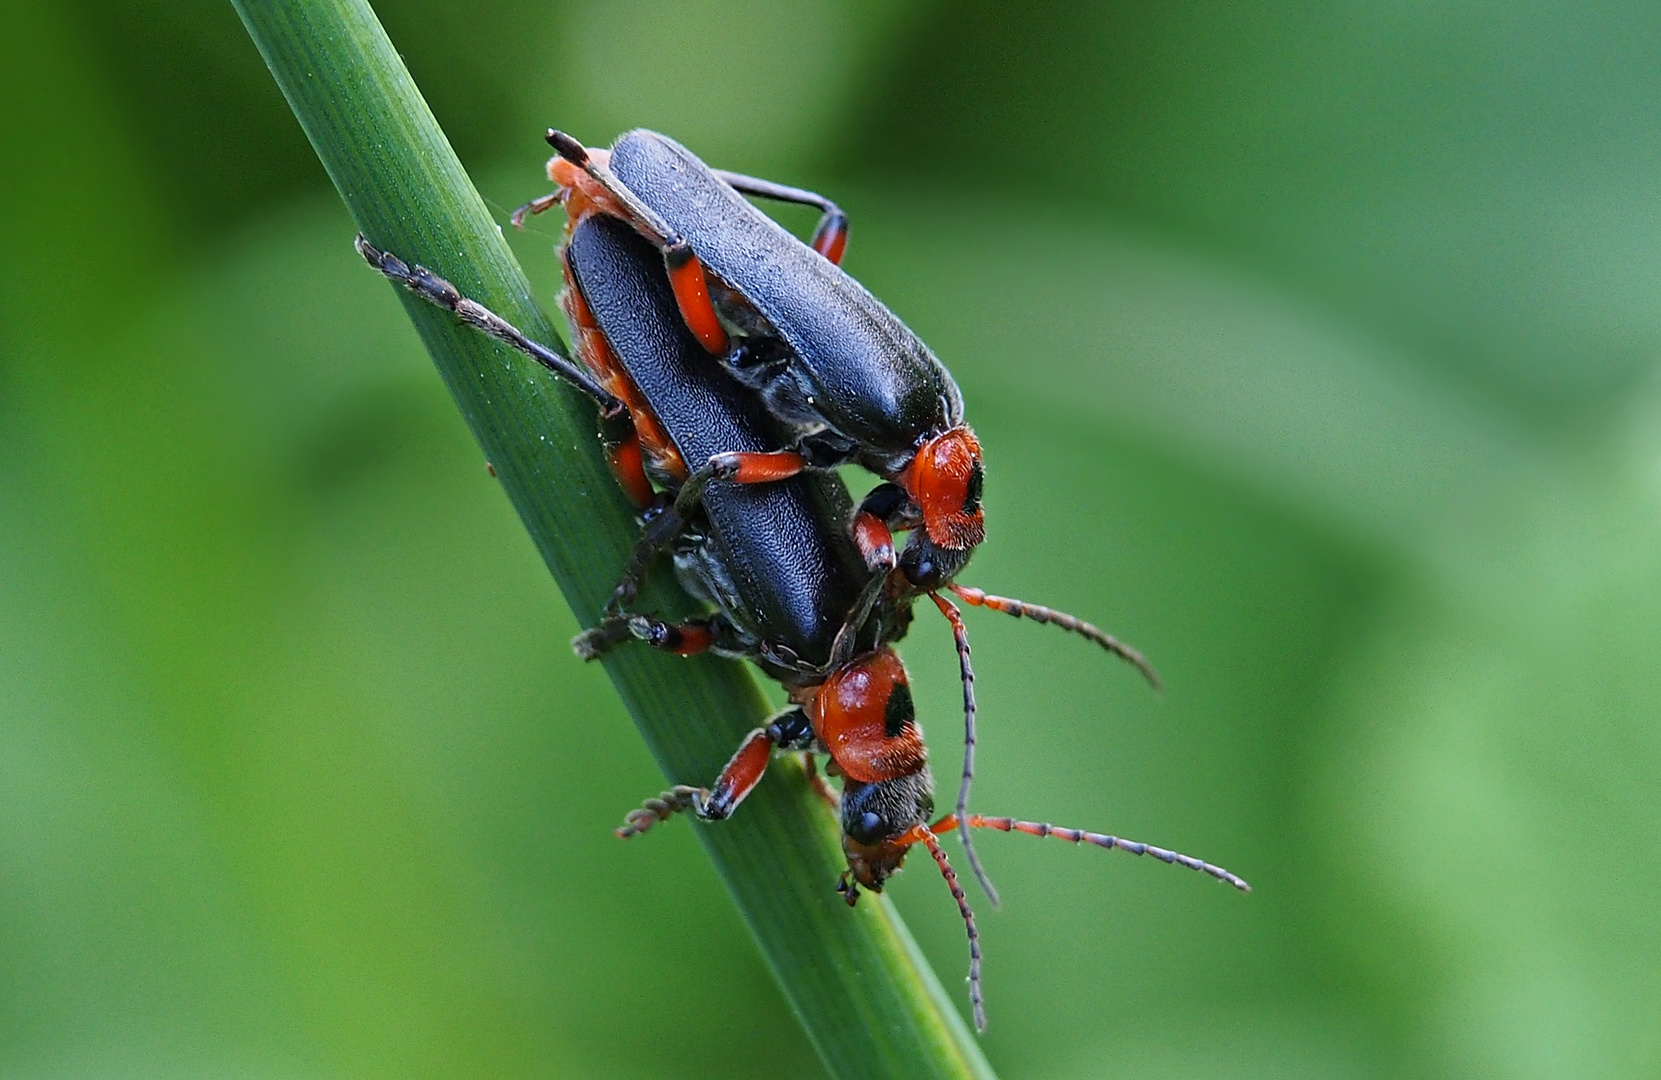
{"points": [[1314, 349]]}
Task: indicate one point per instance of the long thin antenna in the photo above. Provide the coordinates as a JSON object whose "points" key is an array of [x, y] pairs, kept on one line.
{"points": [[950, 875], [960, 636], [1020, 609], [1079, 836]]}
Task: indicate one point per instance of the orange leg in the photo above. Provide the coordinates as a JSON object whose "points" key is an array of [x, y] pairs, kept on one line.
{"points": [[821, 787], [874, 536], [628, 464], [830, 239], [875, 540], [747, 467], [736, 781], [691, 289], [686, 273]]}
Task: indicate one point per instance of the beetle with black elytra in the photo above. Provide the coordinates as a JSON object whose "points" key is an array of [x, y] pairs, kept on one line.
{"points": [[847, 379], [778, 565]]}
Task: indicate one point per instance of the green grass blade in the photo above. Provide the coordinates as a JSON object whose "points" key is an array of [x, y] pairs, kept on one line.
{"points": [[870, 1005]]}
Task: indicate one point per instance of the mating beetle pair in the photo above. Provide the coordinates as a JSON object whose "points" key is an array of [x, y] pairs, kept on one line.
{"points": [[846, 379], [794, 588]]}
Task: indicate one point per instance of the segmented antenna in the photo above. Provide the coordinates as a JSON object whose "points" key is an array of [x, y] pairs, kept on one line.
{"points": [[960, 637], [950, 875], [1079, 836], [1020, 609]]}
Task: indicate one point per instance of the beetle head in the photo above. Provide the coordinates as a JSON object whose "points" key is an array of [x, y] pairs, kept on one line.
{"points": [[927, 566], [944, 479], [875, 817]]}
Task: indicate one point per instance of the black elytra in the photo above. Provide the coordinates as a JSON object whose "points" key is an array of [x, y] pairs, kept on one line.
{"points": [[775, 557], [856, 367]]}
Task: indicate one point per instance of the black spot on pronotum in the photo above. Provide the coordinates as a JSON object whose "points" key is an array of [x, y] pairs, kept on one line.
{"points": [[977, 479], [899, 712]]}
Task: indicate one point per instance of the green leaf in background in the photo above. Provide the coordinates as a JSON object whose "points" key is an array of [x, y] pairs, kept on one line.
{"points": [[866, 1001], [1318, 371]]}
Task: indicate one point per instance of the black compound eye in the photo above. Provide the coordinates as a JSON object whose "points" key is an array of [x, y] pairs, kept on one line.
{"points": [[868, 828], [919, 565], [928, 566]]}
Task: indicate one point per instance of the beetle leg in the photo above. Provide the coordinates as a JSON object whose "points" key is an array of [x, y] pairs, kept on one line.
{"points": [[596, 642], [750, 467], [784, 729], [821, 787], [686, 272], [830, 237], [660, 531], [687, 638], [691, 289], [738, 467], [687, 279], [628, 464], [736, 781], [875, 541], [876, 545], [740, 776], [538, 205], [435, 290], [683, 639]]}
